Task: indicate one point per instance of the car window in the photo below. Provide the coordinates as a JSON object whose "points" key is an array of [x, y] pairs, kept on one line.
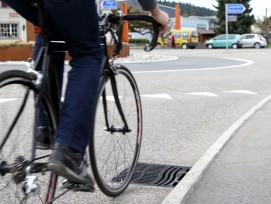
{"points": [[177, 35], [232, 37], [221, 37], [243, 37], [250, 36], [185, 34]]}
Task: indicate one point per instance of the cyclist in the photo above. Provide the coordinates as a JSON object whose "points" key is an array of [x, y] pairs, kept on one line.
{"points": [[76, 23]]}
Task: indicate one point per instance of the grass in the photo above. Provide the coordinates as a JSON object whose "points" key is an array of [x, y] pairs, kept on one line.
{"points": [[17, 44]]}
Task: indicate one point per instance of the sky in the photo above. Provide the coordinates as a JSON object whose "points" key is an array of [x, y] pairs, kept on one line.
{"points": [[259, 6]]}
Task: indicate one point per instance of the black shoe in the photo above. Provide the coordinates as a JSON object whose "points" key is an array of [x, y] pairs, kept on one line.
{"points": [[70, 165], [44, 136]]}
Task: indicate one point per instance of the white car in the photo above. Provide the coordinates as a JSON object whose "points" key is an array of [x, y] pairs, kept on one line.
{"points": [[253, 40]]}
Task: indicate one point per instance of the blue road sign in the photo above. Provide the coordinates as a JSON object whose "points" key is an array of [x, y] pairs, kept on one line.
{"points": [[235, 8], [109, 4]]}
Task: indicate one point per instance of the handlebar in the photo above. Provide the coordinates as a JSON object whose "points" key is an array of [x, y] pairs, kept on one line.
{"points": [[155, 27], [118, 19]]}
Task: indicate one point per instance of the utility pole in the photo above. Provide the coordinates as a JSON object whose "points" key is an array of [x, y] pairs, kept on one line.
{"points": [[227, 27], [266, 23]]}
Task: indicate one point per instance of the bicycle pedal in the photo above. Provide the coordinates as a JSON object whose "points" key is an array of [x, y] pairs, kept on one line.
{"points": [[77, 186]]}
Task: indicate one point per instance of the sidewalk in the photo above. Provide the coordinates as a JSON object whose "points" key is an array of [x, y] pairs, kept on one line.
{"points": [[241, 171]]}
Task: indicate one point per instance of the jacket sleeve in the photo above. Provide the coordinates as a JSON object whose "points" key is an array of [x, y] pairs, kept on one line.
{"points": [[147, 5]]}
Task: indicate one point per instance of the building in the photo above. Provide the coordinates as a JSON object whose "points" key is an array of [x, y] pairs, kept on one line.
{"points": [[13, 27], [203, 24], [205, 30]]}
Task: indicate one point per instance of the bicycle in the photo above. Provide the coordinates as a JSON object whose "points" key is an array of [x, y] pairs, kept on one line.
{"points": [[115, 141]]}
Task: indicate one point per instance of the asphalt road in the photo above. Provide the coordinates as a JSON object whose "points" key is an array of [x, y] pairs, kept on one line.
{"points": [[188, 103]]}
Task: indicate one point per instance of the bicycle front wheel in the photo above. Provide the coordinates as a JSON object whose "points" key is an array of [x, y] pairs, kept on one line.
{"points": [[17, 110], [114, 150]]}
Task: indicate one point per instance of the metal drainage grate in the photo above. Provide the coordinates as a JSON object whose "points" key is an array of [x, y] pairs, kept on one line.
{"points": [[155, 174]]}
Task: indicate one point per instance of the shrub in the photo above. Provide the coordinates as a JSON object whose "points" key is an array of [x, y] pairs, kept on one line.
{"points": [[139, 41]]}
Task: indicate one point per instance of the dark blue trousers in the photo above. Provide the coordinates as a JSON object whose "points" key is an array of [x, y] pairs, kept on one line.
{"points": [[76, 23]]}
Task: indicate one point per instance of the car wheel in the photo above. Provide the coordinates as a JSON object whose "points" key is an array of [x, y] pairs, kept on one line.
{"points": [[210, 46], [234, 46], [257, 45], [184, 46]]}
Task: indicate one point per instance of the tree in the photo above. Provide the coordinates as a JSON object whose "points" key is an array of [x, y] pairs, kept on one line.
{"points": [[188, 9], [264, 25], [244, 20], [140, 27]]}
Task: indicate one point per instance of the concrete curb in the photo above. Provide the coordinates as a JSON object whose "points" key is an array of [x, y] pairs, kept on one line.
{"points": [[134, 58], [186, 186]]}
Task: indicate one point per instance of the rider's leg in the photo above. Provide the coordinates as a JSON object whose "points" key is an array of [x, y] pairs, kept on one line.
{"points": [[77, 23]]}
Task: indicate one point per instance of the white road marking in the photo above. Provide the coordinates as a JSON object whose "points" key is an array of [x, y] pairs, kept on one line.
{"points": [[111, 98], [241, 91], [164, 96], [246, 63], [3, 100], [185, 187], [203, 94]]}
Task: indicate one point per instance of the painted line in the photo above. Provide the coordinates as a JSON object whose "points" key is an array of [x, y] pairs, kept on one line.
{"points": [[203, 94], [241, 91], [186, 186], [7, 100], [111, 98], [246, 63], [163, 96]]}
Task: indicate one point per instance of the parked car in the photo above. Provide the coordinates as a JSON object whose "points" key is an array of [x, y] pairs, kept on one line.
{"points": [[234, 41], [184, 38], [253, 40]]}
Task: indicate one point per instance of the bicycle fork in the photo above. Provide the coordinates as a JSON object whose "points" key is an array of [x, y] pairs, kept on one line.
{"points": [[112, 129]]}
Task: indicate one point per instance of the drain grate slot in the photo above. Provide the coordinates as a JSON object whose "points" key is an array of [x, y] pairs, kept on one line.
{"points": [[155, 174]]}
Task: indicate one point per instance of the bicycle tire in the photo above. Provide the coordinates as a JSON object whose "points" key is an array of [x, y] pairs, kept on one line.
{"points": [[119, 151], [16, 151]]}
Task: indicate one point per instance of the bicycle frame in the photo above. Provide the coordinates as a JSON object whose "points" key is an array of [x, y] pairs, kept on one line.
{"points": [[48, 93], [109, 69]]}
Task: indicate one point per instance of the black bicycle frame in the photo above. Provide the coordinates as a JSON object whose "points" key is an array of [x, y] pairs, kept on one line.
{"points": [[110, 73]]}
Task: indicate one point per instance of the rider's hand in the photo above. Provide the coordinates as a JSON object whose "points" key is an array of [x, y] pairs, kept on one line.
{"points": [[161, 17]]}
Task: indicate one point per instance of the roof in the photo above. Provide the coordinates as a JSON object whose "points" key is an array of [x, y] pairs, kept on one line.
{"points": [[206, 32]]}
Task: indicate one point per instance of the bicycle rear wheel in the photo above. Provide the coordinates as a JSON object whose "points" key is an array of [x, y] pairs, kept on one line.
{"points": [[114, 153], [17, 109]]}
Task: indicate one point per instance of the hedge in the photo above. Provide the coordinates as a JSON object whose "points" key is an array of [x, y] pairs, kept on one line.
{"points": [[138, 41]]}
